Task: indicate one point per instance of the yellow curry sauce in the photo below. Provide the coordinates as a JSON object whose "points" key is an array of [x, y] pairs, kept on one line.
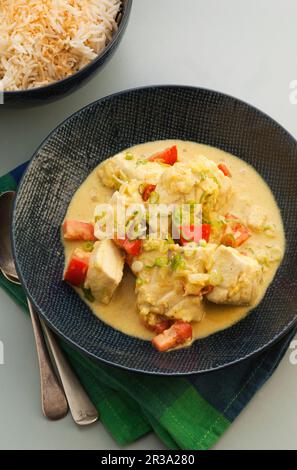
{"points": [[249, 188]]}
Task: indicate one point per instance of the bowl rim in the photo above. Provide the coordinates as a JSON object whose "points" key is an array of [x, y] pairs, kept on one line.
{"points": [[287, 329], [112, 43]]}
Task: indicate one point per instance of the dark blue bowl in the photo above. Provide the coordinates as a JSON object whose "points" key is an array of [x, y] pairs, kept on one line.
{"points": [[53, 91], [102, 129]]}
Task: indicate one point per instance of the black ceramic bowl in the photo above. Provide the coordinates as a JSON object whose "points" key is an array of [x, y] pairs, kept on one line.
{"points": [[45, 94], [100, 130]]}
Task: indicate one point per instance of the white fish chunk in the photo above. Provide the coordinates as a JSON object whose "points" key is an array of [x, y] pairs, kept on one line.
{"points": [[105, 270], [118, 170], [240, 274]]}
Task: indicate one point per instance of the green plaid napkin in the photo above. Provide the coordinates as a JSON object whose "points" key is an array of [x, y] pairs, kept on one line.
{"points": [[186, 413]]}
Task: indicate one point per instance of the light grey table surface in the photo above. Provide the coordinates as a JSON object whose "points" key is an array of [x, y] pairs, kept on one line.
{"points": [[247, 49]]}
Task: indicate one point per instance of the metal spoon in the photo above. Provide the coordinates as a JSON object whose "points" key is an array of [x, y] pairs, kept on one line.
{"points": [[54, 403], [53, 400]]}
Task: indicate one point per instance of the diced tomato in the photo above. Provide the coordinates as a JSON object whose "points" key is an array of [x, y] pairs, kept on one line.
{"points": [[131, 247], [159, 327], [168, 156], [237, 236], [148, 189], [77, 268], [224, 169], [241, 234], [194, 233], [77, 230], [177, 334], [162, 326]]}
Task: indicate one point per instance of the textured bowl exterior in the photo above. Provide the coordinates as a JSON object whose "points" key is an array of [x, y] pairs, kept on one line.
{"points": [[102, 129], [56, 90]]}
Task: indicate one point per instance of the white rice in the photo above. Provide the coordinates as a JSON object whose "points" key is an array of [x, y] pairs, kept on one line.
{"points": [[43, 41]]}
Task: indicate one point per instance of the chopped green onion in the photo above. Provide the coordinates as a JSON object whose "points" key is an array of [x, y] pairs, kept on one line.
{"points": [[161, 261], [177, 262], [264, 260], [88, 246], [141, 162], [100, 216], [217, 223], [129, 156], [140, 282], [170, 240], [215, 180]]}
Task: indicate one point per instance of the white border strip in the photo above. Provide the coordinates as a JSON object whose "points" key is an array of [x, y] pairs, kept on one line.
{"points": [[1, 92]]}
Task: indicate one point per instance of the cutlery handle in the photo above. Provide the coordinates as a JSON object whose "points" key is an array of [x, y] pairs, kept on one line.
{"points": [[82, 409], [53, 400]]}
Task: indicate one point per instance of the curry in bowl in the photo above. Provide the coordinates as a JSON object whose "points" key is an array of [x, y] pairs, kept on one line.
{"points": [[159, 286]]}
